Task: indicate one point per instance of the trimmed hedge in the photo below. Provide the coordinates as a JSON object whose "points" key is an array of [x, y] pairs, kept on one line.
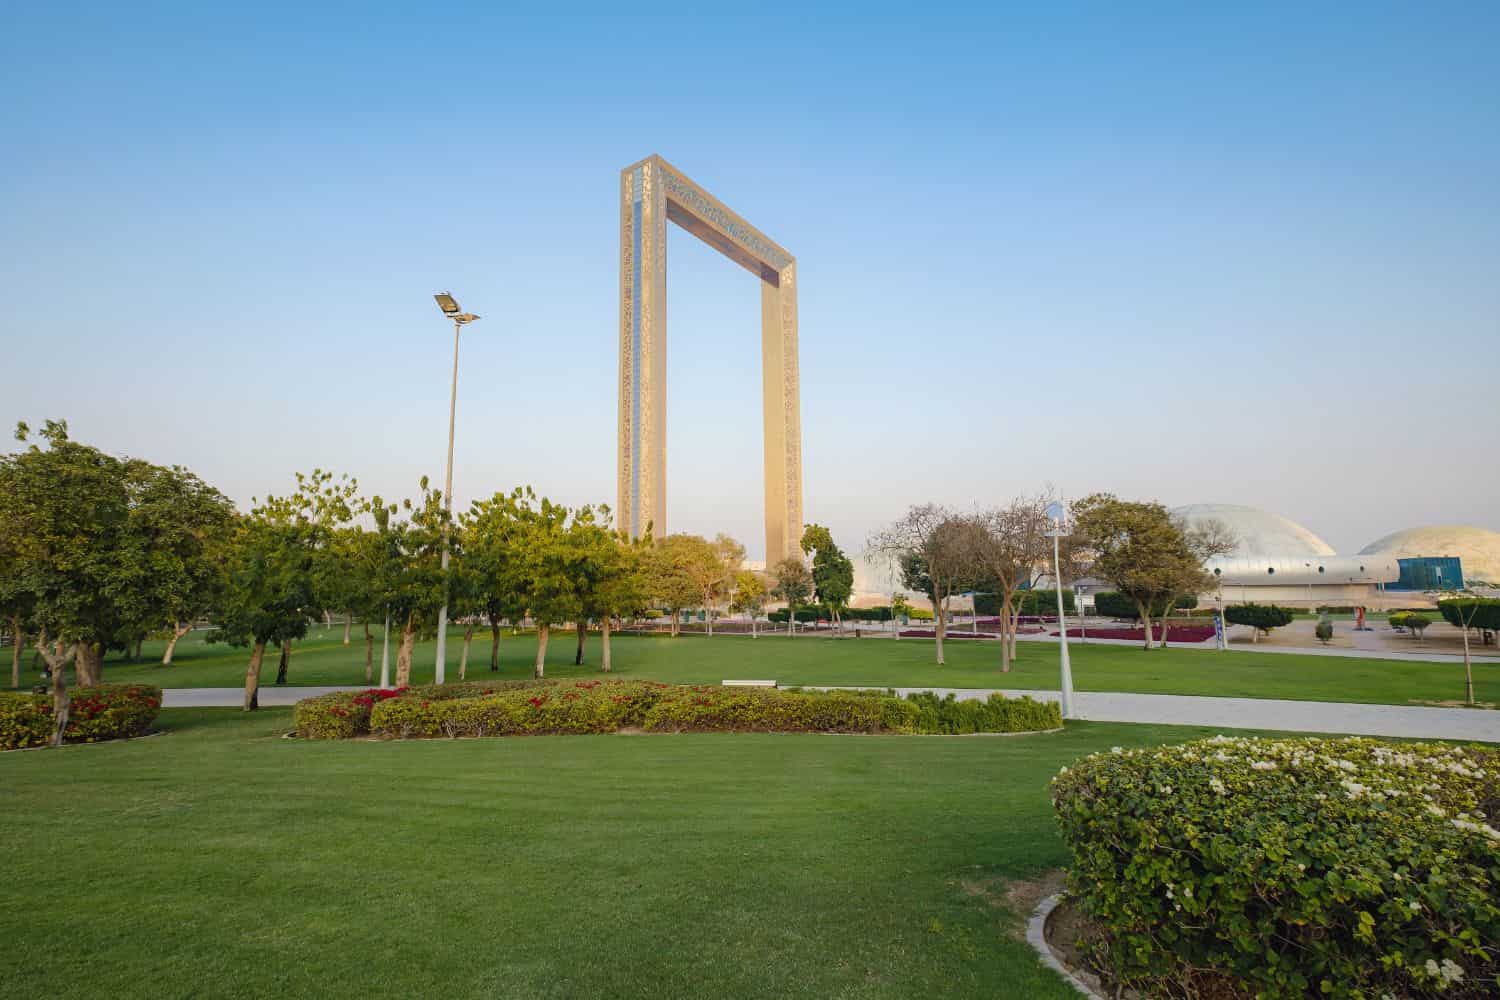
{"points": [[1346, 868], [1113, 604], [1262, 617], [110, 712], [607, 706]]}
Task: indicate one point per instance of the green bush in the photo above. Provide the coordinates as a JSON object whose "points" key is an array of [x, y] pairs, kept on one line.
{"points": [[804, 615], [1262, 617], [1478, 612], [996, 714], [1324, 630], [1347, 868], [1113, 604], [607, 706], [1028, 602], [879, 613], [110, 712]]}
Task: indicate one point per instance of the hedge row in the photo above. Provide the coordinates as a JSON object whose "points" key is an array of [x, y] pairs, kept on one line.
{"points": [[576, 707], [1346, 868], [111, 712], [1113, 604]]}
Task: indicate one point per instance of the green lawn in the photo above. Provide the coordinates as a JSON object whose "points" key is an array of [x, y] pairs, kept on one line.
{"points": [[323, 659], [221, 860]]}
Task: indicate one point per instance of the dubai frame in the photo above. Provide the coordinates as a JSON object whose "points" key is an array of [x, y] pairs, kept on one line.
{"points": [[653, 192]]}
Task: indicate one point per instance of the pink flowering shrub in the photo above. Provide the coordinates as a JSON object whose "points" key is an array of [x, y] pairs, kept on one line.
{"points": [[109, 712]]}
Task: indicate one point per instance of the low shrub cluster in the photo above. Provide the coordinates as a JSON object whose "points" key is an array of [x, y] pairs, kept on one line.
{"points": [[1345, 868], [110, 712], [607, 706]]}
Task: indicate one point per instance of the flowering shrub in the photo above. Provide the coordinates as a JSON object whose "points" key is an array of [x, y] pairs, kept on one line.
{"points": [[111, 712], [343, 714], [607, 706], [1346, 868]]}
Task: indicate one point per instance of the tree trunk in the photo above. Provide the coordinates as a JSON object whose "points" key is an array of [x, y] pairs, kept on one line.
{"points": [[583, 636], [752, 626], [1005, 627], [1254, 635], [403, 652], [88, 664], [348, 624], [369, 655], [676, 623], [286, 658], [939, 627], [791, 618], [18, 637], [708, 615], [463, 658], [1468, 671], [252, 677], [604, 643], [543, 632], [57, 665], [178, 631], [1164, 626], [1145, 618], [135, 657], [494, 645]]}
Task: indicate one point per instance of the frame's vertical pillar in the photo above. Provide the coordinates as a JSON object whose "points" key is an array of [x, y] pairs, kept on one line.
{"points": [[642, 473], [783, 416]]}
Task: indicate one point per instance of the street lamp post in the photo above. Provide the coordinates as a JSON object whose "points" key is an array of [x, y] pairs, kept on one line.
{"points": [[1057, 514], [449, 305]]}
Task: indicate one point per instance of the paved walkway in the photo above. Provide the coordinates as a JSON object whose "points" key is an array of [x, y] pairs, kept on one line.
{"points": [[1170, 709]]}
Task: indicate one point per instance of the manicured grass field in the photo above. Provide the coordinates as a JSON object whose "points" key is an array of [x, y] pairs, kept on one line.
{"points": [[323, 659], [221, 860]]}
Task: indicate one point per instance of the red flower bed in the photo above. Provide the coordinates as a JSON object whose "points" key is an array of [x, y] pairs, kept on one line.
{"points": [[111, 712], [1177, 633]]}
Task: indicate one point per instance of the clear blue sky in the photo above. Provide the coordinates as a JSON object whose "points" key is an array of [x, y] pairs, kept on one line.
{"points": [[1262, 241]]}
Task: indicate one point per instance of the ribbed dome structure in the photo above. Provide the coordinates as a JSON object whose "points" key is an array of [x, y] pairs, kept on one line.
{"points": [[1260, 533], [1478, 549]]}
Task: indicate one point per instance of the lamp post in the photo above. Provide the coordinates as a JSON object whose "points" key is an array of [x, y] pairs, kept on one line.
{"points": [[449, 305], [1057, 516]]}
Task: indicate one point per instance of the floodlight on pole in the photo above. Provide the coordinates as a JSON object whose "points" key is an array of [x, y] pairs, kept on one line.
{"points": [[1057, 519], [450, 307]]}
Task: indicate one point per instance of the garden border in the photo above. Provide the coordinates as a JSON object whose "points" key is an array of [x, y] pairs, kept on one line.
{"points": [[1036, 936]]}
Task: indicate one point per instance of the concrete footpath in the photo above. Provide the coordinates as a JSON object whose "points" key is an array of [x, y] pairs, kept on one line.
{"points": [[1411, 721]]}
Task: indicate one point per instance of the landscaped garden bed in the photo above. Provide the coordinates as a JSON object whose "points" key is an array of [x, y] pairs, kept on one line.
{"points": [[110, 712], [605, 706], [1288, 868]]}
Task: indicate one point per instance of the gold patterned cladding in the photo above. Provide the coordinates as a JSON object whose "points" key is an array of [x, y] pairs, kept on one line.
{"points": [[653, 192]]}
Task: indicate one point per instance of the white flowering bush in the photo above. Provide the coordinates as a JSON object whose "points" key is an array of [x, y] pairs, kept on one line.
{"points": [[1342, 868]]}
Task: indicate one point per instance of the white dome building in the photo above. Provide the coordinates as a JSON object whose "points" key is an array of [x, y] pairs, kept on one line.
{"points": [[1260, 533], [1477, 549], [1279, 561]]}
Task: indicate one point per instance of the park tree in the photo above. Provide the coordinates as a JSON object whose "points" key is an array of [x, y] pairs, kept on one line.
{"points": [[730, 555], [1143, 551], [415, 582], [16, 600], [670, 575], [1010, 544], [933, 548], [72, 552], [794, 585], [614, 581], [703, 563], [832, 572], [750, 595], [491, 531], [544, 563], [900, 609], [180, 530], [1468, 613]]}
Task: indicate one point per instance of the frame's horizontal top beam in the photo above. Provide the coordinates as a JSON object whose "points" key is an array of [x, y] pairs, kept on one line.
{"points": [[709, 219]]}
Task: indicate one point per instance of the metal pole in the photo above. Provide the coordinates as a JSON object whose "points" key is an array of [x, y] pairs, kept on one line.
{"points": [[1062, 622], [442, 635], [385, 652]]}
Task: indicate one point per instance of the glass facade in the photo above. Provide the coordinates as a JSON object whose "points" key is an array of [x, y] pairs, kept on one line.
{"points": [[1429, 573]]}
